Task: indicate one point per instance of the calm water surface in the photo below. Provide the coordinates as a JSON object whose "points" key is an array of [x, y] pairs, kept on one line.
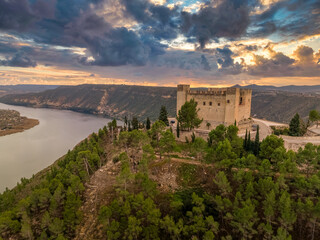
{"points": [[26, 153]]}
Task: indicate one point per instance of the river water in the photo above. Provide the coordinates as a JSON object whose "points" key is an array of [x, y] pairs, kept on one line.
{"points": [[26, 153]]}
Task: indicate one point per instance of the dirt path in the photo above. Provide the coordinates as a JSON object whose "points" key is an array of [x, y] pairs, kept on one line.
{"points": [[98, 192]]}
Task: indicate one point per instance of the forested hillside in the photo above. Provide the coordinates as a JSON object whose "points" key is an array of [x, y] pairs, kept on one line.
{"points": [[107, 100], [146, 185], [119, 101]]}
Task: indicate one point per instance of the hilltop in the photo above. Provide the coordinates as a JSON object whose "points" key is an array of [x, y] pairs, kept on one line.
{"points": [[146, 185], [118, 101]]}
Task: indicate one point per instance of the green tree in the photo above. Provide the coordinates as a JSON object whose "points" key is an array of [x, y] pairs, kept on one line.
{"points": [[167, 143], [178, 129], [156, 131], [245, 142], [222, 183], [135, 123], [269, 145], [256, 146], [56, 227], [294, 126], [287, 215], [125, 121], [244, 218], [217, 135], [26, 230], [148, 124], [71, 213], [112, 124], [188, 115], [125, 174], [314, 116], [163, 116]]}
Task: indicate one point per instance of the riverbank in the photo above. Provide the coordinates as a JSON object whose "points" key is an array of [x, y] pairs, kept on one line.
{"points": [[11, 122]]}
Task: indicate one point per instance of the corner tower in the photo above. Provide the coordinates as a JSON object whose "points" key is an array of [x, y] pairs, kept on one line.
{"points": [[182, 95]]}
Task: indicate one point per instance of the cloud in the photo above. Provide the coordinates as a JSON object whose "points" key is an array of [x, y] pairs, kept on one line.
{"points": [[281, 65], [289, 19], [229, 19], [158, 20], [205, 64], [121, 46], [16, 15], [18, 60], [304, 55]]}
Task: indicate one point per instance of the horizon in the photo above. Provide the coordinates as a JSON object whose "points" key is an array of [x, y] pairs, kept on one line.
{"points": [[160, 42], [169, 86]]}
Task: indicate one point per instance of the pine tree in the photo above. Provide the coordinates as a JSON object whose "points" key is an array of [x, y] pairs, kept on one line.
{"points": [[178, 130], [135, 123], [148, 125], [256, 143], [163, 116], [125, 121], [249, 143], [188, 115], [245, 142], [294, 126]]}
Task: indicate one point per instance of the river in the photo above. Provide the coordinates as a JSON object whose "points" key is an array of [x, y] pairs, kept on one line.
{"points": [[26, 153]]}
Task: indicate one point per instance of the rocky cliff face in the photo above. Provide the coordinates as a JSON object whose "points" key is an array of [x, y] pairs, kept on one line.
{"points": [[106, 100]]}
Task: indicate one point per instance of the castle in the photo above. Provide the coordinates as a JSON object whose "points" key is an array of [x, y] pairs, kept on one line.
{"points": [[218, 105]]}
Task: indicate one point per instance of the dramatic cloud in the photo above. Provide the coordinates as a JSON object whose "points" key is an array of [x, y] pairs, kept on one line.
{"points": [[305, 55], [121, 47], [18, 60], [211, 39], [158, 20], [288, 18], [230, 19]]}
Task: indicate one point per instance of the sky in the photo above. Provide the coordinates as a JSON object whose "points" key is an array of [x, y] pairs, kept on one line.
{"points": [[160, 42]]}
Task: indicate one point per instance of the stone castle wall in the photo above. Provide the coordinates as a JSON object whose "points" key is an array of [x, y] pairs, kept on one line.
{"points": [[217, 105]]}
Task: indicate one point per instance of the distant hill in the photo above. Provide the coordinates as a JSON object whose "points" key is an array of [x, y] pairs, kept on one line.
{"points": [[282, 106], [107, 100], [121, 100], [290, 88], [24, 88]]}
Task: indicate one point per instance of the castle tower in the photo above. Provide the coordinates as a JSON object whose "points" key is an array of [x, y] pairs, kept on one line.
{"points": [[182, 95], [218, 105]]}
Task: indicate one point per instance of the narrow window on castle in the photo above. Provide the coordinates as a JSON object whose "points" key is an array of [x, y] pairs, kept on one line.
{"points": [[228, 101], [210, 103], [204, 103], [241, 100], [219, 104]]}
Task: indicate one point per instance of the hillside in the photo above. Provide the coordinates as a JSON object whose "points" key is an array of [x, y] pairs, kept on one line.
{"points": [[282, 106], [107, 100], [291, 88], [119, 101], [143, 185], [21, 88]]}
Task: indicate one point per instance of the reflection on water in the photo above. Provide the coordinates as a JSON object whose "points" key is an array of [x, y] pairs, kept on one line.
{"points": [[26, 153]]}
